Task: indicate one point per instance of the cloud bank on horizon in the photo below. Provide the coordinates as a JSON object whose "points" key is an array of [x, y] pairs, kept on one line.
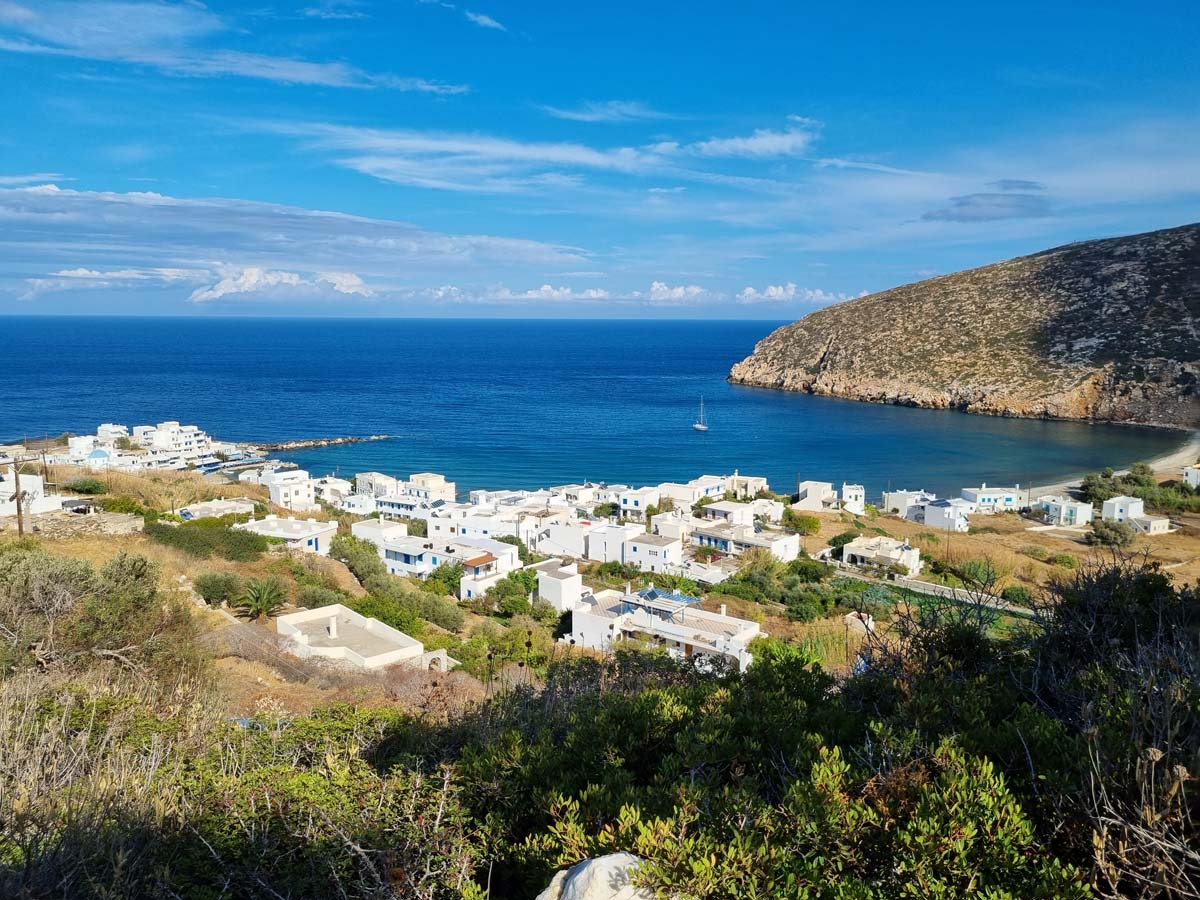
{"points": [[362, 157]]}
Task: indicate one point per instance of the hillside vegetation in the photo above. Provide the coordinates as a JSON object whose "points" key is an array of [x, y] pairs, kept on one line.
{"points": [[963, 760], [1102, 330]]}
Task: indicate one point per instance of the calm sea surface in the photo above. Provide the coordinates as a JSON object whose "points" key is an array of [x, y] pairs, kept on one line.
{"points": [[516, 403]]}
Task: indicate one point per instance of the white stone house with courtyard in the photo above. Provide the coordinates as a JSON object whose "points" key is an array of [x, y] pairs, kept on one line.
{"points": [[338, 633], [882, 552]]}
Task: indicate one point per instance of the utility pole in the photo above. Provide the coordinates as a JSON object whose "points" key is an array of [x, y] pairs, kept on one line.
{"points": [[17, 496]]}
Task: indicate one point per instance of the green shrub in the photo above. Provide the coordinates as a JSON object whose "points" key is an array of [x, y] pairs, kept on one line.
{"points": [[1110, 534], [800, 523], [311, 596], [1017, 595], [1034, 551], [86, 485], [218, 587], [202, 541], [1065, 560]]}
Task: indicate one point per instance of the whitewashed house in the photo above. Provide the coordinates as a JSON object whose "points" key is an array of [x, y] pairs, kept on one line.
{"points": [[290, 488], [567, 538], [734, 540], [214, 509], [900, 502], [559, 584], [359, 504], [746, 487], [882, 552], [429, 486], [307, 535], [654, 553], [945, 515], [1191, 476], [34, 498], [634, 502], [815, 496], [332, 489], [670, 620], [854, 499], [728, 511], [339, 633], [1059, 510], [675, 524], [989, 500], [689, 494], [769, 510], [1122, 509], [378, 531], [376, 484], [606, 543]]}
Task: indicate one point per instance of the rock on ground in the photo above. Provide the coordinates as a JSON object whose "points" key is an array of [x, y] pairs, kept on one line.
{"points": [[603, 878]]}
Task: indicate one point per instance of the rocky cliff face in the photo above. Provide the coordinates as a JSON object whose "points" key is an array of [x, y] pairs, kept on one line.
{"points": [[1103, 330]]}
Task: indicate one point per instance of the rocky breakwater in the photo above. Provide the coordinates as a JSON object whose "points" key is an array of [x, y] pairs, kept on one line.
{"points": [[1100, 330]]}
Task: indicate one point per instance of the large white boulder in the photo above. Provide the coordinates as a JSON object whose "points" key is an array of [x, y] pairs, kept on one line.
{"points": [[603, 878]]}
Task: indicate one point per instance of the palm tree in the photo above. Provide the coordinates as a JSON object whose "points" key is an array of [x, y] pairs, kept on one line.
{"points": [[261, 598]]}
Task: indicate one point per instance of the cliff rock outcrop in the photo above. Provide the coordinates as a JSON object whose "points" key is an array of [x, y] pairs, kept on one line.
{"points": [[1103, 330]]}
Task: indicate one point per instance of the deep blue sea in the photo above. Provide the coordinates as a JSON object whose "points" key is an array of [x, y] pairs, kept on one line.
{"points": [[516, 403]]}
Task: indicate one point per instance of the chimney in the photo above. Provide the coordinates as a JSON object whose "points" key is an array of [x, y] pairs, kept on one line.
{"points": [[723, 608], [332, 627]]}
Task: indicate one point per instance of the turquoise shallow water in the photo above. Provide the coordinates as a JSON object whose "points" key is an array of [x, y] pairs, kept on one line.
{"points": [[516, 403]]}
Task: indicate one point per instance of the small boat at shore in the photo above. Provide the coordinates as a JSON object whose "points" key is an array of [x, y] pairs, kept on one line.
{"points": [[700, 424]]}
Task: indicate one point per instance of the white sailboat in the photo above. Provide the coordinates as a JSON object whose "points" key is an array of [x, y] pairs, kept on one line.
{"points": [[700, 424]]}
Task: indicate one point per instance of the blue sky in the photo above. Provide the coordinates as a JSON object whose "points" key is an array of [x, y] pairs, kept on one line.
{"points": [[415, 157]]}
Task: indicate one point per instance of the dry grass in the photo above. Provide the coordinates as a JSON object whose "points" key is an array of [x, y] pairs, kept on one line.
{"points": [[162, 490]]}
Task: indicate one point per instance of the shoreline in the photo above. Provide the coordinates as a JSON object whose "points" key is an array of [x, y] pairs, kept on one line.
{"points": [[1186, 455]]}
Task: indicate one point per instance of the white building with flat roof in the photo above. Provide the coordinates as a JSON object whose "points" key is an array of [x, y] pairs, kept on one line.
{"points": [[815, 496], [1060, 510], [665, 619], [746, 487], [654, 553], [34, 498], [989, 500], [854, 499], [1122, 509], [734, 540], [307, 535], [214, 509], [945, 515], [376, 484], [338, 633], [692, 492], [730, 512], [290, 488], [359, 504], [901, 501], [606, 543], [882, 552], [332, 489], [1191, 476], [429, 486], [635, 501], [559, 584], [377, 531]]}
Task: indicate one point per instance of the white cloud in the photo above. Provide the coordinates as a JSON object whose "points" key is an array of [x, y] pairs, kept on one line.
{"points": [[256, 280], [607, 111], [171, 38], [483, 21], [15, 180], [484, 163], [250, 280], [500, 294], [49, 242], [788, 293], [662, 293], [792, 141], [344, 283]]}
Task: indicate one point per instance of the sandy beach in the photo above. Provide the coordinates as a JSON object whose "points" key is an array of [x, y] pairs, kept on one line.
{"points": [[1167, 464]]}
